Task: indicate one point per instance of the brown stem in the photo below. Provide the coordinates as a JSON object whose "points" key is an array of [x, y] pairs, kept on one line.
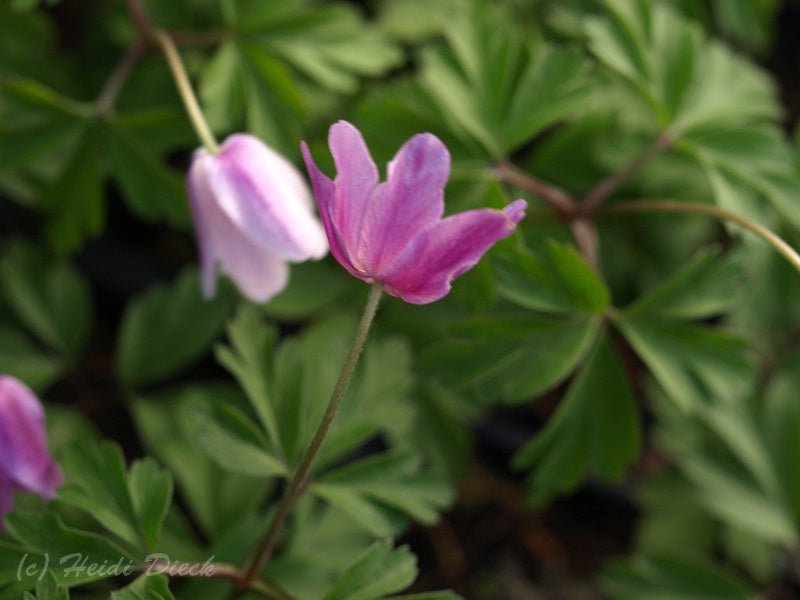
{"points": [[558, 198], [219, 571], [139, 17], [587, 240], [108, 96], [602, 190]]}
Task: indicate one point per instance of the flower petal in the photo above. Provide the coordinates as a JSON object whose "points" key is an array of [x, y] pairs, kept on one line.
{"points": [[24, 457], [356, 178], [411, 200], [422, 273], [258, 273], [202, 207], [325, 194], [265, 197]]}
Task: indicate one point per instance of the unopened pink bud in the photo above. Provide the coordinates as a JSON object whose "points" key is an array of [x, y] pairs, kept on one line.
{"points": [[253, 214]]}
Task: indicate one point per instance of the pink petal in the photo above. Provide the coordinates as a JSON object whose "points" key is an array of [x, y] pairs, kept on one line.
{"points": [[24, 457], [422, 273], [411, 200], [258, 273], [356, 178], [265, 197], [325, 194]]}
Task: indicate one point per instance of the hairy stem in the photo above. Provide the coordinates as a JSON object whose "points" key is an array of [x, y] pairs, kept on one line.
{"points": [[263, 552], [669, 206], [606, 187], [185, 89]]}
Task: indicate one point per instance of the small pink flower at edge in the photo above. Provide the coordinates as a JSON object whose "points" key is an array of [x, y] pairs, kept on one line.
{"points": [[253, 214], [25, 462], [393, 232]]}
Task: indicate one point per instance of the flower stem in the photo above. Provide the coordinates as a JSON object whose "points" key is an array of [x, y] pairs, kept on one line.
{"points": [[185, 89], [263, 552], [667, 206]]}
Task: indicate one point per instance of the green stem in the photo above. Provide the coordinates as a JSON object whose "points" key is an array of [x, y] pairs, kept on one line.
{"points": [[667, 206], [185, 88], [263, 552]]}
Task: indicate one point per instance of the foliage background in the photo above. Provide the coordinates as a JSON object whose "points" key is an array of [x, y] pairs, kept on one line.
{"points": [[624, 433]]}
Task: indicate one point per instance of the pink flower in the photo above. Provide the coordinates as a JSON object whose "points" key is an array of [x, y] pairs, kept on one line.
{"points": [[393, 232], [253, 214], [25, 463]]}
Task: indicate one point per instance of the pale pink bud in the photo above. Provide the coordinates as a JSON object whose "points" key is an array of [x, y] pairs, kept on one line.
{"points": [[253, 214]]}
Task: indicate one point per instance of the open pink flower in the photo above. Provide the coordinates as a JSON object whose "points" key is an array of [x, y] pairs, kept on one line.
{"points": [[25, 463], [393, 232], [253, 214]]}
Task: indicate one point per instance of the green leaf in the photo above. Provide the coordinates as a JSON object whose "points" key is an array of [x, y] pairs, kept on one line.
{"points": [[494, 86], [749, 169], [247, 359], [45, 537], [781, 427], [305, 371], [217, 499], [74, 201], [388, 480], [36, 95], [740, 501], [331, 45], [670, 579], [168, 328], [550, 88], [594, 431], [686, 80], [131, 506], [560, 281], [443, 426], [694, 365], [705, 287], [48, 589], [20, 357], [313, 287], [151, 492], [234, 442], [380, 571], [50, 299], [674, 521], [221, 88], [146, 587], [153, 191], [492, 356], [412, 21]]}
